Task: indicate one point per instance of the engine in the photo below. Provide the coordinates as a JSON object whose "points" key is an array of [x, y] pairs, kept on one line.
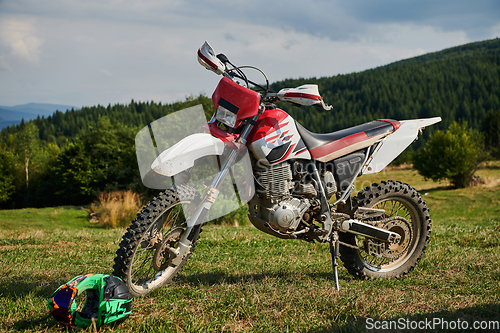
{"points": [[287, 196], [287, 214], [284, 179], [275, 181]]}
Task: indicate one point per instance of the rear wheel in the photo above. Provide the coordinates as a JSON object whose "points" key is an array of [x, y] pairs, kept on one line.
{"points": [[144, 259], [406, 213]]}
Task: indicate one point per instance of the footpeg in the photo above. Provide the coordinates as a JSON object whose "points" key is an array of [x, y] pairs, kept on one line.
{"points": [[320, 231]]}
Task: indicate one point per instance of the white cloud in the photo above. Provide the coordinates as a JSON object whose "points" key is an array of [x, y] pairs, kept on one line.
{"points": [[495, 31], [18, 37], [106, 72], [108, 51], [4, 65]]}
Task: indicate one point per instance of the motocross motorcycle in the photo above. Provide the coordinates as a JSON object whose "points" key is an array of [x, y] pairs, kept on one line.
{"points": [[297, 184]]}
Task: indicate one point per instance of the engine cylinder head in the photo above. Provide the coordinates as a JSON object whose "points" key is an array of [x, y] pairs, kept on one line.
{"points": [[274, 181]]}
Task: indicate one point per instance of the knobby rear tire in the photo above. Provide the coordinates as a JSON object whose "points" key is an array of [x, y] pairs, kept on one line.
{"points": [[398, 199], [134, 258]]}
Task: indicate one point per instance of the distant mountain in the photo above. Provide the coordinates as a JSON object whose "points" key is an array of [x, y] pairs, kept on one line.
{"points": [[12, 115], [9, 115], [9, 123]]}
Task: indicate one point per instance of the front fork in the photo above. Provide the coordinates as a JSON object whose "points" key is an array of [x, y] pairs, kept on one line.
{"points": [[213, 191], [202, 210]]}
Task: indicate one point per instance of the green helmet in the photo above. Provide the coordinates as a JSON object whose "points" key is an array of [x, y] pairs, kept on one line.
{"points": [[107, 300]]}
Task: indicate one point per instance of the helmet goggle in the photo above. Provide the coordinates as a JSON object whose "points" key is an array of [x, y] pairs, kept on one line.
{"points": [[107, 300]]}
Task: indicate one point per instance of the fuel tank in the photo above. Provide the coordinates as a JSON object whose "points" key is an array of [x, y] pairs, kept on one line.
{"points": [[275, 139]]}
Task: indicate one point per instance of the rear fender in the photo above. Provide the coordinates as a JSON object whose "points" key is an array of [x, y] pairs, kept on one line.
{"points": [[393, 145], [182, 155]]}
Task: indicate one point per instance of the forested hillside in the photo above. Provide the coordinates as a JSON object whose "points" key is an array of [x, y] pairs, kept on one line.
{"points": [[62, 127], [68, 158]]}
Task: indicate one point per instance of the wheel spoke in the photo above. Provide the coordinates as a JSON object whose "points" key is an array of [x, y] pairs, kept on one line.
{"points": [[393, 208], [143, 263], [143, 270], [398, 208], [175, 218], [144, 275]]}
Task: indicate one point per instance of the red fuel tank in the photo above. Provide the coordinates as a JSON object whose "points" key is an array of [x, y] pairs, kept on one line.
{"points": [[275, 138]]}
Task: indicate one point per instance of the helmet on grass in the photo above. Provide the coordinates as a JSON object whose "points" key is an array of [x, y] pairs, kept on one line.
{"points": [[107, 300]]}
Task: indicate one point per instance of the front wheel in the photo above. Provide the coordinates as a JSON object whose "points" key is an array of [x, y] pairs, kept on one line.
{"points": [[406, 213], [144, 258]]}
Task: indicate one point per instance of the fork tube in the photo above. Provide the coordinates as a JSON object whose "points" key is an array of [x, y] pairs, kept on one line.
{"points": [[225, 169], [212, 191], [203, 208], [248, 128]]}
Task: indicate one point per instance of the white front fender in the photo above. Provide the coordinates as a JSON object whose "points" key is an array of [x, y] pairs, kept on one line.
{"points": [[182, 155]]}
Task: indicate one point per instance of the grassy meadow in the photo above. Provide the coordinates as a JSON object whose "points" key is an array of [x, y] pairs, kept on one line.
{"points": [[242, 280]]}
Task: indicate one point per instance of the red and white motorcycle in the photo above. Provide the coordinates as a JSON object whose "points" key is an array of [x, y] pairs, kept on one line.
{"points": [[297, 184]]}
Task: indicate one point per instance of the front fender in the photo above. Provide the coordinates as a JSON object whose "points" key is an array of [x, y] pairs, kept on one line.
{"points": [[182, 155]]}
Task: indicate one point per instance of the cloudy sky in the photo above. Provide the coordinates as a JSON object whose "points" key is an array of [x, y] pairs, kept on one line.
{"points": [[91, 52]]}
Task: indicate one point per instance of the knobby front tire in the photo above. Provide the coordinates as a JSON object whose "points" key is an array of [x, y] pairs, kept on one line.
{"points": [[143, 260]]}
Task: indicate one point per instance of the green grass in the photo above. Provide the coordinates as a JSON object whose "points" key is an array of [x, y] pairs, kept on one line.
{"points": [[67, 218], [240, 279]]}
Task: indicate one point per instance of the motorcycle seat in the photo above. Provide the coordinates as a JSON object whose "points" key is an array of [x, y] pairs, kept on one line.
{"points": [[326, 147]]}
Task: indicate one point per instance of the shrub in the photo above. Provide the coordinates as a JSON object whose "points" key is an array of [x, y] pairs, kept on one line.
{"points": [[101, 160], [453, 155], [115, 209]]}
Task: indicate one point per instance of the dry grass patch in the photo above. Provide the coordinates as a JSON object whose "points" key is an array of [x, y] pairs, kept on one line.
{"points": [[115, 209]]}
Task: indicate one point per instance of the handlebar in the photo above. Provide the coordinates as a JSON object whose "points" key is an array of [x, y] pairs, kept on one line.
{"points": [[219, 64]]}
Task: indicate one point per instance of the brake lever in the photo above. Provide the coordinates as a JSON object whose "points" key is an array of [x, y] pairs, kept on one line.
{"points": [[222, 57], [323, 107]]}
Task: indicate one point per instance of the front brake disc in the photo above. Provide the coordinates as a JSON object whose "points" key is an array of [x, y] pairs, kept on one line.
{"points": [[162, 257]]}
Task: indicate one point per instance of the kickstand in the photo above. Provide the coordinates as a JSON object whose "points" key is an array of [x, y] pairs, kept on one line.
{"points": [[334, 250]]}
